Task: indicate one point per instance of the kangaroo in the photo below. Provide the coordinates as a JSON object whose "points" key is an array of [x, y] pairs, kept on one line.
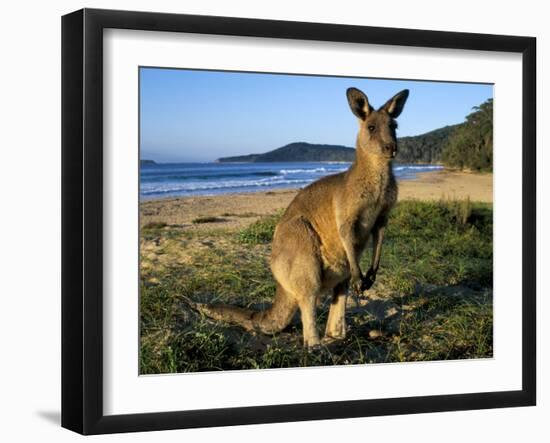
{"points": [[318, 243]]}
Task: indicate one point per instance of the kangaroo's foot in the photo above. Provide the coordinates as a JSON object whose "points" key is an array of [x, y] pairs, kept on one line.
{"points": [[336, 322], [312, 343], [336, 329], [334, 336], [309, 324], [328, 340]]}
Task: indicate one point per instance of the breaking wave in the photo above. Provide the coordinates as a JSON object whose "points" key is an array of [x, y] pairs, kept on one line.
{"points": [[182, 179]]}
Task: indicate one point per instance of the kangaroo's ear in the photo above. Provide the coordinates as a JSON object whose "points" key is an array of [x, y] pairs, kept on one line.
{"points": [[359, 103], [394, 106]]}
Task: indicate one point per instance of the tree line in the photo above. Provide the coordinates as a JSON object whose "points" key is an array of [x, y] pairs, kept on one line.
{"points": [[470, 146]]}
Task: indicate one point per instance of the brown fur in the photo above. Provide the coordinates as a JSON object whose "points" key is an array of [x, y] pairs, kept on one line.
{"points": [[319, 240]]}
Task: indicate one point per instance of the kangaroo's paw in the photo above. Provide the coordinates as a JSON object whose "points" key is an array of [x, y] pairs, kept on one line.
{"points": [[368, 280]]}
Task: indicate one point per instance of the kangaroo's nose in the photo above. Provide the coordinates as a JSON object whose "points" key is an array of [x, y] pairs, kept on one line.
{"points": [[391, 148]]}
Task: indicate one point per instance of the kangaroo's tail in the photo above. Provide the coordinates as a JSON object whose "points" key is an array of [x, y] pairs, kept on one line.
{"points": [[269, 321]]}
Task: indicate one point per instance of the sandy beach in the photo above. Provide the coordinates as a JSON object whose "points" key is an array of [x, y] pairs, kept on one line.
{"points": [[237, 210]]}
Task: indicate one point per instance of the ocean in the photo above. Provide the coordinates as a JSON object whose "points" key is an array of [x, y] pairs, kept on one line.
{"points": [[186, 179]]}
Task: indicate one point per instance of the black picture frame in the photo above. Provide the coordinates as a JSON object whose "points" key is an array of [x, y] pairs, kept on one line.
{"points": [[82, 218]]}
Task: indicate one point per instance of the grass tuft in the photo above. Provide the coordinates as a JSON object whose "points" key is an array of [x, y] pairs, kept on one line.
{"points": [[261, 231]]}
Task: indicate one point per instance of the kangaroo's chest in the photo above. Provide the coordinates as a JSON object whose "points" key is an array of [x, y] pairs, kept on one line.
{"points": [[376, 203], [366, 219], [377, 199]]}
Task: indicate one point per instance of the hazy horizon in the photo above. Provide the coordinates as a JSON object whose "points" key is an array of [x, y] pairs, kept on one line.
{"points": [[200, 116]]}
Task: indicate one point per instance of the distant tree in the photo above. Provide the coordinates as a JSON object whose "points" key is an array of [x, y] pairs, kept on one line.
{"points": [[470, 146]]}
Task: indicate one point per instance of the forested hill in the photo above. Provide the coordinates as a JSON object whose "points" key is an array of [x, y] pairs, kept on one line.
{"points": [[298, 152], [424, 148], [468, 145]]}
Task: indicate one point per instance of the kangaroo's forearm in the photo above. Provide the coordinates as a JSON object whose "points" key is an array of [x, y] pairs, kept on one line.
{"points": [[377, 237], [348, 241]]}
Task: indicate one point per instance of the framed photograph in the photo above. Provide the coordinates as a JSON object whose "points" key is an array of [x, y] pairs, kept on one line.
{"points": [[268, 221]]}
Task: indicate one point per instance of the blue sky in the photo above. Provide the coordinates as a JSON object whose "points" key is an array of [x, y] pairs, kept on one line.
{"points": [[190, 115]]}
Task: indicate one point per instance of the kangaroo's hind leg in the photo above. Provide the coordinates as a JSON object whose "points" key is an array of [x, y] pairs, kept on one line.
{"points": [[296, 265], [308, 312], [336, 323]]}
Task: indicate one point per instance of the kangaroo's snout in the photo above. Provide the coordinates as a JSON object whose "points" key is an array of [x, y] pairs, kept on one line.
{"points": [[391, 149]]}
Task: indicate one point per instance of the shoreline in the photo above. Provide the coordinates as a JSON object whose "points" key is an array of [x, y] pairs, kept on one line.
{"points": [[238, 210]]}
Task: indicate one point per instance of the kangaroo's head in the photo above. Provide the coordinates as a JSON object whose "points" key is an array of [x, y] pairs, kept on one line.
{"points": [[377, 127]]}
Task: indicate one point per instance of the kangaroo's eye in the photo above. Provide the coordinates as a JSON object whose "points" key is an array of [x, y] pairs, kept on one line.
{"points": [[371, 128]]}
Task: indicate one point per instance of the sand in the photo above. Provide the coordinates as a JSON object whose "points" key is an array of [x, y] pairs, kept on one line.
{"points": [[237, 210], [448, 184]]}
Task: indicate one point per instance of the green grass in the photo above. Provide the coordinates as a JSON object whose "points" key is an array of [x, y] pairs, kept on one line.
{"points": [[261, 231], [433, 295]]}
